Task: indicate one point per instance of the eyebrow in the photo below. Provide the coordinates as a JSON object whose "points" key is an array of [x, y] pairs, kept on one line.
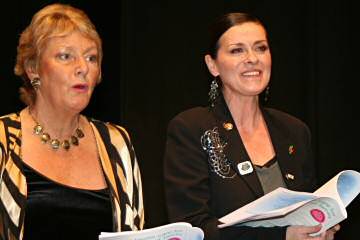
{"points": [[91, 48], [86, 50], [242, 44]]}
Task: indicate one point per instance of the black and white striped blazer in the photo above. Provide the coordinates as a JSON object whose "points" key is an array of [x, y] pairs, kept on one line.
{"points": [[119, 166]]}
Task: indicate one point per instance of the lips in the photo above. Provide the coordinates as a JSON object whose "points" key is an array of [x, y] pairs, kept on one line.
{"points": [[81, 87], [253, 73]]}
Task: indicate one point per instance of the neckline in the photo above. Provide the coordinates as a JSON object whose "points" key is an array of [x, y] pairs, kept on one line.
{"points": [[23, 164], [268, 164], [31, 169]]}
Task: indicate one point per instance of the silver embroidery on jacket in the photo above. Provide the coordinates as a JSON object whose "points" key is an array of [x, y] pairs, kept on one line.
{"points": [[212, 143]]}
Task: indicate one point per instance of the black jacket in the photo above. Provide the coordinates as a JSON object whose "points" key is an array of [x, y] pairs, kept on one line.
{"points": [[197, 194]]}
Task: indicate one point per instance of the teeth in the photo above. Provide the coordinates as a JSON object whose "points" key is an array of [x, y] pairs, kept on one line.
{"points": [[254, 73]]}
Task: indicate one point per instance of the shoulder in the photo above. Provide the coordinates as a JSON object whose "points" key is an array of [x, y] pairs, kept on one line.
{"points": [[9, 126], [10, 122], [11, 117], [110, 130], [194, 117], [189, 125], [286, 122], [109, 126], [284, 118]]}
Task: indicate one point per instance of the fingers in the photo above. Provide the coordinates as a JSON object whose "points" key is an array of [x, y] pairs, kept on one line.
{"points": [[331, 232], [312, 229], [303, 233], [336, 227]]}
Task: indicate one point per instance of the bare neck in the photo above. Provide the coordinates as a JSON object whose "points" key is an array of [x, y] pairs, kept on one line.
{"points": [[57, 122], [245, 112]]}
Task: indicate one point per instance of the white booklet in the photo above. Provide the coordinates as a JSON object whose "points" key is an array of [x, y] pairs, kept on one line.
{"points": [[172, 231], [283, 207]]}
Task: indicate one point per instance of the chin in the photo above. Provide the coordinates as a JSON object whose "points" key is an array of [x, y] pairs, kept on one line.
{"points": [[78, 106]]}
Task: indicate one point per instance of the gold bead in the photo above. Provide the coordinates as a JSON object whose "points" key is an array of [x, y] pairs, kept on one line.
{"points": [[45, 137], [38, 129], [79, 133], [66, 144], [55, 144], [74, 140]]}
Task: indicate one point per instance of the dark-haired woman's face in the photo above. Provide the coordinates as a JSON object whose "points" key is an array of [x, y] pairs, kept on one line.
{"points": [[243, 60]]}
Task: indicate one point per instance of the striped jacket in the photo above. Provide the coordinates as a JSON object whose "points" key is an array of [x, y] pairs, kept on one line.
{"points": [[118, 162]]}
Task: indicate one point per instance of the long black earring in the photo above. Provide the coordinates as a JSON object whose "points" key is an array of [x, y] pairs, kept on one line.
{"points": [[214, 92]]}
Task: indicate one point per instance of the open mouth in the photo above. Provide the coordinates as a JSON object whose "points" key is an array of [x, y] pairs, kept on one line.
{"points": [[251, 73], [81, 87]]}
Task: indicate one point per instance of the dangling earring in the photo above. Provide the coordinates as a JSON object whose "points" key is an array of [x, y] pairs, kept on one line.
{"points": [[267, 94], [35, 83], [214, 92]]}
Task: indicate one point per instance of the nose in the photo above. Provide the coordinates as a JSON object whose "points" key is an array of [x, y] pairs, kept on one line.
{"points": [[251, 57], [82, 67]]}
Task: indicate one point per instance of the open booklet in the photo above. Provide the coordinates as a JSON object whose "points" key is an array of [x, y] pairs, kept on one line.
{"points": [[172, 231], [283, 207]]}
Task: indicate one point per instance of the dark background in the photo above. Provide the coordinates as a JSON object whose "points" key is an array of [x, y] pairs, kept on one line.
{"points": [[153, 68]]}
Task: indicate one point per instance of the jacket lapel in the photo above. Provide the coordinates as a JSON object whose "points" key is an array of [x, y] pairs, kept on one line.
{"points": [[235, 149], [107, 166], [283, 149]]}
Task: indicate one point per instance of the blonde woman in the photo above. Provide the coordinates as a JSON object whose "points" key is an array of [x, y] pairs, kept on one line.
{"points": [[64, 175]]}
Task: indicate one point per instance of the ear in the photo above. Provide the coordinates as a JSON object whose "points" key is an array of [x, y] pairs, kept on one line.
{"points": [[31, 69], [211, 65]]}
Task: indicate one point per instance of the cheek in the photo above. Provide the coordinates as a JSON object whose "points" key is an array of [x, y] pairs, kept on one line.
{"points": [[226, 66], [46, 69], [95, 75], [267, 61]]}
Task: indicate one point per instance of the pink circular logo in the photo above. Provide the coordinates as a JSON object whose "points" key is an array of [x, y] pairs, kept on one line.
{"points": [[318, 215]]}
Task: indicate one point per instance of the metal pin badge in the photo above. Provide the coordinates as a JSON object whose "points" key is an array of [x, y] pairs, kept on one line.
{"points": [[245, 167], [289, 176], [291, 150], [228, 126]]}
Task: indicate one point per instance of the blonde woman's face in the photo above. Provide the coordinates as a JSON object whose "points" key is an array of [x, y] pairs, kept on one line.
{"points": [[243, 60], [68, 69]]}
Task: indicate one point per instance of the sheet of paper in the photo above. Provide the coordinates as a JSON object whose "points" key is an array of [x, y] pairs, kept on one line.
{"points": [[173, 231], [283, 207]]}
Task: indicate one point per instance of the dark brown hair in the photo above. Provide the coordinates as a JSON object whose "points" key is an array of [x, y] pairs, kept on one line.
{"points": [[222, 24]]}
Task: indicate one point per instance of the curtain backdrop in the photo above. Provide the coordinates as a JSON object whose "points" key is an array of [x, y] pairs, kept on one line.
{"points": [[153, 69]]}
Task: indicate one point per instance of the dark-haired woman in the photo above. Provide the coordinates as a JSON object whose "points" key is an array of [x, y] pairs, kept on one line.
{"points": [[221, 157]]}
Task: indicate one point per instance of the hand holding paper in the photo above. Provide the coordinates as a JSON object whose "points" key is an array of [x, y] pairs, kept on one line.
{"points": [[283, 207]]}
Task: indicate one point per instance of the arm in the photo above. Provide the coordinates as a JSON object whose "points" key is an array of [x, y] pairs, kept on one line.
{"points": [[310, 180], [137, 195], [186, 179], [138, 206]]}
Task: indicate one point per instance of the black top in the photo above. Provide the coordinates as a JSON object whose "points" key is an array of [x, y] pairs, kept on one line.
{"points": [[270, 176], [56, 211]]}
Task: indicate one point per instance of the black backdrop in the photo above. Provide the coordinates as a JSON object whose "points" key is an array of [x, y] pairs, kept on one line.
{"points": [[153, 68]]}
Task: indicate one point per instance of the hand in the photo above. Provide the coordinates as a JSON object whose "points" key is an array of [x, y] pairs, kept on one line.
{"points": [[329, 234], [303, 233]]}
